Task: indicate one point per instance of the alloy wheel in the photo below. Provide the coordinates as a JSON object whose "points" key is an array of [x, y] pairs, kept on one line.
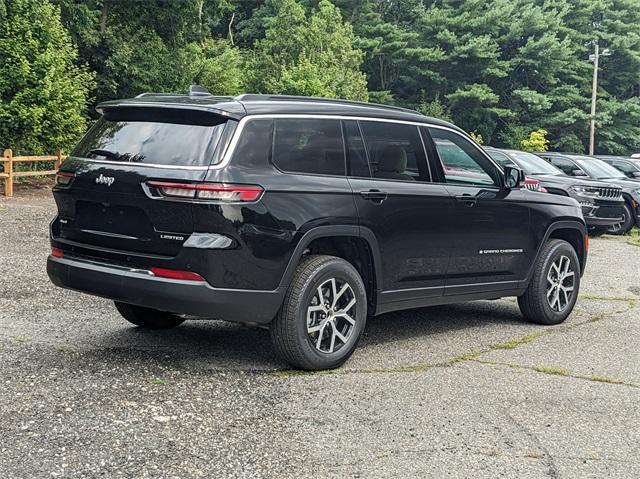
{"points": [[560, 284], [331, 315]]}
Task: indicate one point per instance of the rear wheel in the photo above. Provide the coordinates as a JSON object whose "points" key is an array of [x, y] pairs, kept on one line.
{"points": [[323, 314], [553, 289], [148, 318], [627, 222]]}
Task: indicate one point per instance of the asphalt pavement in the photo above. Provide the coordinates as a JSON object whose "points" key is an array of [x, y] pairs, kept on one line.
{"points": [[468, 390]]}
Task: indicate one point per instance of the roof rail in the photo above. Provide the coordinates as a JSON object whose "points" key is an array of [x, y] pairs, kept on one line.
{"points": [[149, 93], [264, 97], [197, 90]]}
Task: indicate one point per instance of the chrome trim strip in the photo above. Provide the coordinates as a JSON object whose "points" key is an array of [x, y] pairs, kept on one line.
{"points": [[234, 141], [140, 165]]}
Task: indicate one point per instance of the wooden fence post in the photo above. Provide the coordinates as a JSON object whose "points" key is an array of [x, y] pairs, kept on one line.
{"points": [[7, 159], [58, 161]]}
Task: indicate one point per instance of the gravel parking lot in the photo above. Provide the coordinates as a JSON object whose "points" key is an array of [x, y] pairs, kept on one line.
{"points": [[468, 390]]}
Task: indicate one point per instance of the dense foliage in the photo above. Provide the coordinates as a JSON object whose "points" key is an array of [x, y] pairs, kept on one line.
{"points": [[502, 69]]}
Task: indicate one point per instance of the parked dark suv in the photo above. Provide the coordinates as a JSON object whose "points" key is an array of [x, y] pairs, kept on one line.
{"points": [[629, 166], [589, 167], [308, 215], [601, 202]]}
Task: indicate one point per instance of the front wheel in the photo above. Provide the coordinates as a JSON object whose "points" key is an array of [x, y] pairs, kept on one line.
{"points": [[148, 318], [554, 286], [323, 314], [626, 223]]}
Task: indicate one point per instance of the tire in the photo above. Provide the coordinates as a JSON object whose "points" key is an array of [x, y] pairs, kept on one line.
{"points": [[538, 304], [309, 334], [148, 318], [626, 224]]}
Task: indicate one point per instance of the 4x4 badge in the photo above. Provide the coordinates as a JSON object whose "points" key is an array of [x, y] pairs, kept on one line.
{"points": [[105, 180]]}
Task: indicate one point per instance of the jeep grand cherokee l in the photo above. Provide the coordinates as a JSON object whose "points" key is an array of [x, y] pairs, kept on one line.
{"points": [[588, 167], [307, 215], [601, 202]]}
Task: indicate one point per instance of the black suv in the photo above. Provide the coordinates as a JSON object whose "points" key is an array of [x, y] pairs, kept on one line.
{"points": [[589, 167], [601, 202], [308, 215], [629, 166]]}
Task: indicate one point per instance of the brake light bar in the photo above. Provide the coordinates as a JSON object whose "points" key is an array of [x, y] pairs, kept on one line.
{"points": [[209, 191], [176, 274], [64, 178], [57, 252]]}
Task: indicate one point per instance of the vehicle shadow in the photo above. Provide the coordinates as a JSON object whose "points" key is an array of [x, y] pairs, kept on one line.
{"points": [[211, 345]]}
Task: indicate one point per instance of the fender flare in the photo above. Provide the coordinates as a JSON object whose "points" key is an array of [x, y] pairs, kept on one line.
{"points": [[330, 232], [562, 224]]}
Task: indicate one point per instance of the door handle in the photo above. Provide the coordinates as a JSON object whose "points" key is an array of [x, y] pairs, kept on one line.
{"points": [[376, 196], [467, 200]]}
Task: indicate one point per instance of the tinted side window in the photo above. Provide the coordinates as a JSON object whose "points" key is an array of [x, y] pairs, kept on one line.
{"points": [[356, 155], [461, 161], [254, 144], [625, 167], [567, 166], [395, 151], [501, 158], [309, 146]]}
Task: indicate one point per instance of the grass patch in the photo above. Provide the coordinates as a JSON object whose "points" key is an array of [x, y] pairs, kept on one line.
{"points": [[552, 371], [596, 297], [514, 343], [465, 357], [634, 237], [160, 382], [605, 379], [19, 339], [416, 368], [535, 454]]}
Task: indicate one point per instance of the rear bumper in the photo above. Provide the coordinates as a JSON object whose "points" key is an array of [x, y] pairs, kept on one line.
{"points": [[139, 287]]}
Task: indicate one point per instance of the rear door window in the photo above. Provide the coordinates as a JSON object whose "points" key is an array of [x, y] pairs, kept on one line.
{"points": [[152, 140], [312, 146], [395, 151]]}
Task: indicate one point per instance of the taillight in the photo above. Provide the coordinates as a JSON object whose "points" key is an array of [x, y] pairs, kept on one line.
{"points": [[176, 274], [57, 252], [209, 191], [64, 178]]}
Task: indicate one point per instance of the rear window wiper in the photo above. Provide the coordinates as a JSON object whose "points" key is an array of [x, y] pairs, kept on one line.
{"points": [[124, 157], [106, 153]]}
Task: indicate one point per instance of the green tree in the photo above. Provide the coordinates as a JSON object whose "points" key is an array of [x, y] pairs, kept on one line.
{"points": [[308, 54], [537, 141], [43, 92]]}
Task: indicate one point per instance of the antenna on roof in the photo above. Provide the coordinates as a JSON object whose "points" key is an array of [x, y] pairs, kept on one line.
{"points": [[197, 90]]}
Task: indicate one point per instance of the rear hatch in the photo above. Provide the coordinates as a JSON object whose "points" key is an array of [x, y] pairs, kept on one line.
{"points": [[108, 205]]}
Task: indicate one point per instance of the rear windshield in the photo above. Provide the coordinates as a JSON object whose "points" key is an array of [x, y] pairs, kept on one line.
{"points": [[138, 140]]}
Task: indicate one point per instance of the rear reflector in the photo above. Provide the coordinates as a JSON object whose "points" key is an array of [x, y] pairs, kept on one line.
{"points": [[586, 243], [64, 178], [57, 253], [176, 274], [209, 191]]}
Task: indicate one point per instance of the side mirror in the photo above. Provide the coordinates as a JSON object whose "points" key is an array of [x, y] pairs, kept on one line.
{"points": [[577, 173], [635, 174], [513, 177]]}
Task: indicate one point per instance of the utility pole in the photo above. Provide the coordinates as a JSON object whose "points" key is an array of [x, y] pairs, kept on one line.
{"points": [[595, 58]]}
